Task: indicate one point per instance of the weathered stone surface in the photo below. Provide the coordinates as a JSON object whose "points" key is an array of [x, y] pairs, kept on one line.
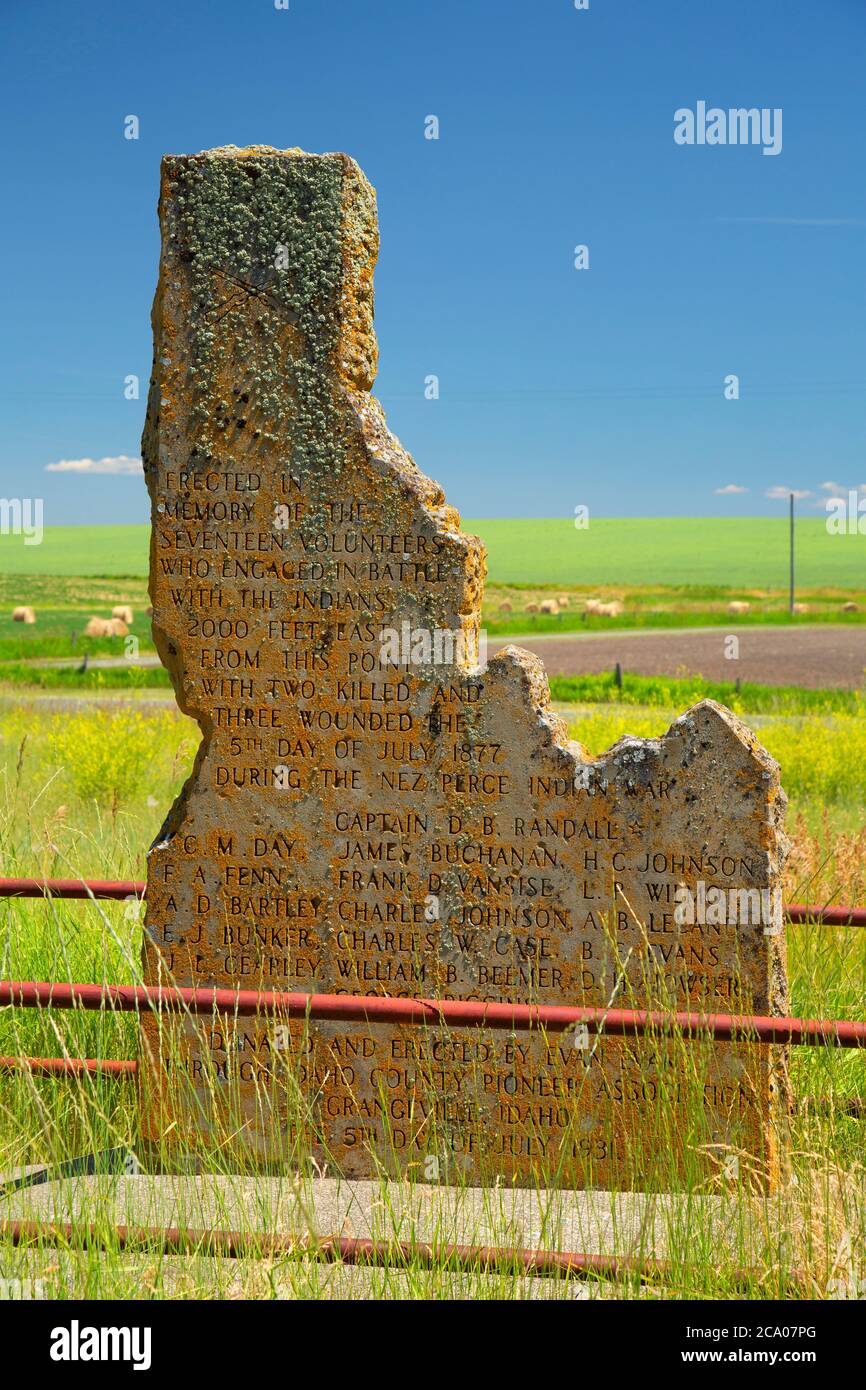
{"points": [[424, 828]]}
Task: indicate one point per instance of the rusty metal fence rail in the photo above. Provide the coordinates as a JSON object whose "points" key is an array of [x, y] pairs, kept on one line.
{"points": [[122, 889], [374, 1008], [453, 1013], [351, 1250]]}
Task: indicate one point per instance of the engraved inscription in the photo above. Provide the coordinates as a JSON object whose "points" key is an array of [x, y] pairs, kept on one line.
{"points": [[402, 819]]}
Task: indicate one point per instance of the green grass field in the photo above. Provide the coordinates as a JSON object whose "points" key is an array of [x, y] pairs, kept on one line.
{"points": [[79, 550], [546, 550], [751, 551]]}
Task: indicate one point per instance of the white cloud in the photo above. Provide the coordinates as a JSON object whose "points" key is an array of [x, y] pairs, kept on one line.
{"points": [[841, 490], [778, 494], [729, 490], [121, 465]]}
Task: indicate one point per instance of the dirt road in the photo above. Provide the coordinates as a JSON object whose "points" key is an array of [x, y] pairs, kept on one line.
{"points": [[809, 656]]}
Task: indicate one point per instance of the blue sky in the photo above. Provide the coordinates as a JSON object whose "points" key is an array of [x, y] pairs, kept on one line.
{"points": [[602, 387]]}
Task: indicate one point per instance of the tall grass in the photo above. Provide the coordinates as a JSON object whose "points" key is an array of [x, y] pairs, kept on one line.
{"points": [[669, 693], [65, 810], [131, 677]]}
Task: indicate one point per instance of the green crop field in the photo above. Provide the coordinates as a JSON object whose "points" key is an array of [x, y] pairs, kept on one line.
{"points": [[79, 550], [542, 550], [747, 551]]}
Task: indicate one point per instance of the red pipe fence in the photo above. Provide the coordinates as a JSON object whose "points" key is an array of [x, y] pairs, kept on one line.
{"points": [[453, 1013], [69, 1066], [351, 1250], [372, 1009], [375, 1009], [131, 888], [70, 888]]}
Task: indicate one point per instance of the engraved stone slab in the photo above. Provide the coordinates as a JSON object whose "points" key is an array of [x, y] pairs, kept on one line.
{"points": [[372, 811]]}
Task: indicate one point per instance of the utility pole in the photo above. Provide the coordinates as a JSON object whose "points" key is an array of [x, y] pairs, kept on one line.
{"points": [[791, 585]]}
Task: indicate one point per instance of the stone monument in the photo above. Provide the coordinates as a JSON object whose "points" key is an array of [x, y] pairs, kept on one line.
{"points": [[375, 811]]}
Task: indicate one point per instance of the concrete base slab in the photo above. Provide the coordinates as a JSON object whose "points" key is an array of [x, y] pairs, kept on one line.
{"points": [[626, 1224]]}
